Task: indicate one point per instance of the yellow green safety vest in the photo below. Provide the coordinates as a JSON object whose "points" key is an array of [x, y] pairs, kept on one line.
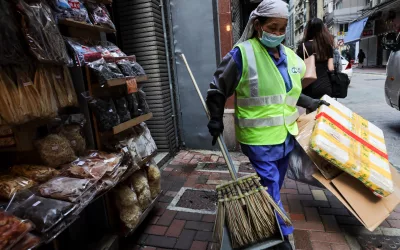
{"points": [[264, 112]]}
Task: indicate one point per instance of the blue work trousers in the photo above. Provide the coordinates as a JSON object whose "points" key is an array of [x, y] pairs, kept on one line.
{"points": [[272, 174]]}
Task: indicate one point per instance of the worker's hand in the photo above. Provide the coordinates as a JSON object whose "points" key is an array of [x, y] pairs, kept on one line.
{"points": [[315, 104], [216, 128]]}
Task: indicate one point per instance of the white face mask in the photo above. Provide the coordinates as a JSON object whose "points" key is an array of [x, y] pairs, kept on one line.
{"points": [[271, 40]]}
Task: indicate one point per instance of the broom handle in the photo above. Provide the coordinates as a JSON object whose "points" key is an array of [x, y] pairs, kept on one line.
{"points": [[221, 142]]}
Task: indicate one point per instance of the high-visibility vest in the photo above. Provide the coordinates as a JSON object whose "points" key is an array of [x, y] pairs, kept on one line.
{"points": [[264, 112]]}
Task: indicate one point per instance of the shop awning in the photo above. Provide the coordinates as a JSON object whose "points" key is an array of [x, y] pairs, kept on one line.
{"points": [[355, 31]]}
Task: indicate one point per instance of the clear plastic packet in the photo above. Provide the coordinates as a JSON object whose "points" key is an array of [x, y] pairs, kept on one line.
{"points": [[122, 109], [83, 52], [140, 184], [41, 32], [5, 130], [73, 133], [114, 68], [130, 216], [65, 188], [36, 173], [111, 179], [12, 229], [28, 242], [11, 48], [145, 144], [64, 88], [125, 196], [78, 11], [137, 69], [102, 71], [133, 104], [9, 185], [55, 150], [99, 15], [112, 49], [126, 67], [143, 106], [104, 111], [42, 82], [154, 178], [43, 212]]}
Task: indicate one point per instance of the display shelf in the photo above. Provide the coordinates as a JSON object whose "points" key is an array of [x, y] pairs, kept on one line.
{"points": [[144, 215], [131, 123], [114, 59], [123, 81], [85, 26]]}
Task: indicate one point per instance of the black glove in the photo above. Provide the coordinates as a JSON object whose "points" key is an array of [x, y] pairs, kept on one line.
{"points": [[216, 128], [316, 104], [216, 105], [309, 103]]}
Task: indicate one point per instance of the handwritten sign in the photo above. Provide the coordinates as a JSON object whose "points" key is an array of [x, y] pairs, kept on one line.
{"points": [[131, 86]]}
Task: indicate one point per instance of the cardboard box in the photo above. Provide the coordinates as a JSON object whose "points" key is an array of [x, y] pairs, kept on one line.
{"points": [[369, 209]]}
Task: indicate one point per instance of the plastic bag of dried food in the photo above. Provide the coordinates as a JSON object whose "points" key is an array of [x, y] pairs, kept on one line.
{"points": [[105, 113], [65, 188], [5, 130], [43, 212], [130, 216], [125, 196], [41, 32], [78, 11], [60, 78], [139, 71], [114, 68], [35, 172], [55, 150], [9, 185], [141, 185], [11, 48], [28, 242], [74, 135], [133, 104], [43, 84], [99, 15], [112, 49], [145, 144], [102, 71], [12, 229], [126, 67], [143, 106], [84, 53], [122, 109], [154, 178]]}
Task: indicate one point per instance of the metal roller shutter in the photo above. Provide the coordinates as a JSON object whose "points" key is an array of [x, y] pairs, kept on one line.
{"points": [[141, 34]]}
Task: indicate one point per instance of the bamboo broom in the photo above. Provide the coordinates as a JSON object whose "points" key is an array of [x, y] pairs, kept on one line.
{"points": [[244, 205]]}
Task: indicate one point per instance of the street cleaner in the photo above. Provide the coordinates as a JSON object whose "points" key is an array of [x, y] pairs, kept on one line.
{"points": [[265, 77]]}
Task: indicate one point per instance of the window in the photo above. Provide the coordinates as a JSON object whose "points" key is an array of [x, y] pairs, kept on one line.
{"points": [[344, 27], [338, 5]]}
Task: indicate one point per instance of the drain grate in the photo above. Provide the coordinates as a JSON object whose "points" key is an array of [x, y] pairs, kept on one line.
{"points": [[198, 200], [373, 242]]}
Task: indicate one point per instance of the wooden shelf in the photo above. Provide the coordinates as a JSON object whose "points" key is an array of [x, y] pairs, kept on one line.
{"points": [[85, 26], [122, 81], [131, 123], [114, 59]]}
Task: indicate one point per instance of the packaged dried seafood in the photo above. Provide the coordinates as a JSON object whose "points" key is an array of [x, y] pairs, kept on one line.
{"points": [[141, 186], [74, 135], [84, 53], [43, 84], [154, 178], [60, 78], [137, 69], [145, 144], [143, 106], [9, 185], [126, 67], [99, 15], [122, 109], [65, 188], [111, 179], [105, 113], [12, 229], [35, 172], [102, 71], [133, 104], [130, 216], [55, 150], [125, 196], [10, 110], [28, 242]]}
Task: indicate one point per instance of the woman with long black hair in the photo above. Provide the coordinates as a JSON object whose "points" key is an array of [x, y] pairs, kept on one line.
{"points": [[318, 42]]}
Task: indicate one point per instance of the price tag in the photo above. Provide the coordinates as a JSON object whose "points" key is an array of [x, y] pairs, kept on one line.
{"points": [[81, 163], [36, 203], [58, 77], [110, 111], [131, 86], [54, 148], [93, 154], [27, 84], [125, 149]]}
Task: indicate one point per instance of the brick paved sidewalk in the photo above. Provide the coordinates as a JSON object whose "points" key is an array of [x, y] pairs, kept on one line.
{"points": [[320, 220]]}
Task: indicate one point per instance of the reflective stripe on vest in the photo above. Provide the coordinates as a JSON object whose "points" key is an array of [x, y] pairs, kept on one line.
{"points": [[266, 100], [267, 122]]}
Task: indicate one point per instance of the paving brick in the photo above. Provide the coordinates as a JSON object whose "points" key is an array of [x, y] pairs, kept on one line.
{"points": [[290, 184], [214, 158], [199, 245], [301, 240], [385, 224], [336, 238], [166, 199], [141, 240], [330, 223], [360, 230], [171, 194], [168, 169], [295, 206], [156, 230], [200, 226], [317, 245], [185, 240], [216, 182], [333, 211], [153, 220], [194, 162], [160, 208], [189, 216], [394, 216], [348, 220], [175, 229], [319, 195], [212, 246], [284, 199], [188, 156], [312, 214], [288, 191], [315, 203], [394, 223], [336, 204], [209, 218], [190, 182], [204, 236], [160, 241], [286, 208], [297, 216], [308, 225], [202, 179], [303, 189], [304, 197], [167, 217], [397, 209], [340, 247]]}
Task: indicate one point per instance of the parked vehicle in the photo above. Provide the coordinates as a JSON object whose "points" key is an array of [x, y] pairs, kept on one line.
{"points": [[392, 84], [347, 67]]}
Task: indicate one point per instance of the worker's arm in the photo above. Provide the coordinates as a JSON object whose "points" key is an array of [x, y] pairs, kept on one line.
{"points": [[309, 103], [226, 79]]}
